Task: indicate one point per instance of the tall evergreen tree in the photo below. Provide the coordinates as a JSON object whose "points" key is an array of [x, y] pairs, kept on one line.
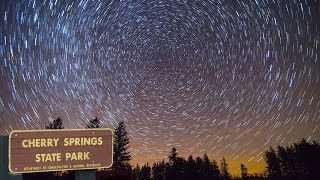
{"points": [[145, 172], [55, 124], [121, 154], [224, 169], [179, 167], [273, 163], [308, 158], [244, 171], [94, 123], [215, 167], [173, 170], [159, 170], [136, 172], [173, 155], [199, 167], [191, 168], [284, 161], [207, 168], [210, 170]]}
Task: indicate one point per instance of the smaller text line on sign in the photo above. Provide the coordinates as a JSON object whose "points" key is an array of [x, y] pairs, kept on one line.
{"points": [[60, 149]]}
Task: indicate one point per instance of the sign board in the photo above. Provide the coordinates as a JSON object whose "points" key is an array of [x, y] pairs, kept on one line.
{"points": [[57, 150]]}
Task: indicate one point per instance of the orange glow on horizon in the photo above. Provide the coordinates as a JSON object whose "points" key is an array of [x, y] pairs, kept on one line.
{"points": [[253, 166]]}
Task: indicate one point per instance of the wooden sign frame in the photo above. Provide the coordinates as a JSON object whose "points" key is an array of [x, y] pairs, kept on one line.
{"points": [[67, 149]]}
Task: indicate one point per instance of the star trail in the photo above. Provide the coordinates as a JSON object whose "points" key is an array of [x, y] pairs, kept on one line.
{"points": [[226, 78]]}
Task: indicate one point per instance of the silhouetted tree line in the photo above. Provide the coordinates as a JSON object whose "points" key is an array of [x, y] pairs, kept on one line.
{"points": [[180, 168], [190, 168], [299, 161]]}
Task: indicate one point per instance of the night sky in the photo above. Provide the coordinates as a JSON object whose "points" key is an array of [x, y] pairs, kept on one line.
{"points": [[226, 78]]}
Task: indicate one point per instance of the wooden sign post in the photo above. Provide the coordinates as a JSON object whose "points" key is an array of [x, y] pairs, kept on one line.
{"points": [[58, 150]]}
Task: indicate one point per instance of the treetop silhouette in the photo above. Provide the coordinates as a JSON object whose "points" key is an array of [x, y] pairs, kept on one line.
{"points": [[94, 123], [55, 124]]}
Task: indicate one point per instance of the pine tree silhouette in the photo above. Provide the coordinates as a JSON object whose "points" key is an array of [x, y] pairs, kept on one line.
{"points": [[224, 169], [273, 163], [55, 124], [159, 170], [215, 169], [207, 168], [136, 172], [307, 156], [145, 172], [173, 155], [191, 168], [210, 169], [172, 169], [179, 167], [121, 154], [94, 123], [284, 161], [244, 171], [199, 167]]}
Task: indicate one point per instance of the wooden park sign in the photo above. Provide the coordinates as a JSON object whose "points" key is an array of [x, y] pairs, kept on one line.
{"points": [[57, 150]]}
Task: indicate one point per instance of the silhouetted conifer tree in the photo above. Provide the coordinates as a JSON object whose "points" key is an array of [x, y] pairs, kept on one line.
{"points": [[199, 167], [172, 170], [244, 171], [121, 155], [224, 169], [55, 124], [173, 155], [285, 162], [273, 164], [159, 170], [216, 171], [145, 172], [191, 169], [210, 170], [94, 123], [179, 167], [307, 156], [136, 172], [207, 170]]}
